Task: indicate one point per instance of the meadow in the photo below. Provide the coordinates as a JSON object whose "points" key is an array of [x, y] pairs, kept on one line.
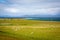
{"points": [[22, 29]]}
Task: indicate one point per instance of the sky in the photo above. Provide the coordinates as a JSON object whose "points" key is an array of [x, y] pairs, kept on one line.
{"points": [[20, 8]]}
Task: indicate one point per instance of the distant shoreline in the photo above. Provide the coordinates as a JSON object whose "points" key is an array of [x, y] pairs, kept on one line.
{"points": [[34, 18]]}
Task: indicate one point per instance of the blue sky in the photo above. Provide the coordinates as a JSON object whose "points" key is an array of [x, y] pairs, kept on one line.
{"points": [[18, 8]]}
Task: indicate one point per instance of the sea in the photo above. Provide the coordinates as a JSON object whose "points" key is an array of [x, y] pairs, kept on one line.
{"points": [[37, 18]]}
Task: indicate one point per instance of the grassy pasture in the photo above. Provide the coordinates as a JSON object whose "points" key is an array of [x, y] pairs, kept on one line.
{"points": [[21, 29]]}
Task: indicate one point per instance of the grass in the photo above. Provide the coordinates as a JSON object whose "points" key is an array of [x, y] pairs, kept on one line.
{"points": [[21, 29]]}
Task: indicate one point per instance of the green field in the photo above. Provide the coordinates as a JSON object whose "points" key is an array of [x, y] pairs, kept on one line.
{"points": [[22, 29]]}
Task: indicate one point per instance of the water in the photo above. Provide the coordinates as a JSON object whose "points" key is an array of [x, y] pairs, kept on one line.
{"points": [[37, 18], [45, 18]]}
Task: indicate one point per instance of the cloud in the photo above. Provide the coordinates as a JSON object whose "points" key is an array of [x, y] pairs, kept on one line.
{"points": [[32, 11], [29, 7]]}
